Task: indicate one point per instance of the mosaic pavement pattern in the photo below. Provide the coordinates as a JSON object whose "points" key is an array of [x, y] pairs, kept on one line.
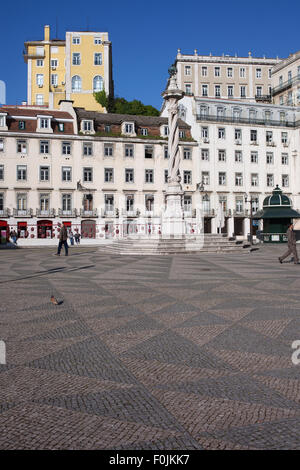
{"points": [[173, 352]]}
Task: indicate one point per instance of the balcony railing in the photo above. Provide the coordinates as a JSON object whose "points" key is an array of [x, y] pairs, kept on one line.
{"points": [[130, 213], [240, 213], [109, 212], [285, 85], [263, 98], [241, 120], [209, 212], [88, 213], [22, 212], [4, 212], [67, 213], [45, 212]]}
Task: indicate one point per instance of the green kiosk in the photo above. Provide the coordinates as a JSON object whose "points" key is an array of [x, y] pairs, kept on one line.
{"points": [[276, 214]]}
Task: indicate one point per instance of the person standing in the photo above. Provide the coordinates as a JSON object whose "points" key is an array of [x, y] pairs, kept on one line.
{"points": [[291, 236], [63, 237], [71, 236], [77, 238]]}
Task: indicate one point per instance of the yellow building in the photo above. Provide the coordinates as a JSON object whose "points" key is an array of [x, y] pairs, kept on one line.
{"points": [[72, 68]]}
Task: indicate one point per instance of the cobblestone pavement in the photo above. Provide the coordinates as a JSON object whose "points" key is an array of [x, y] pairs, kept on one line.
{"points": [[174, 352]]}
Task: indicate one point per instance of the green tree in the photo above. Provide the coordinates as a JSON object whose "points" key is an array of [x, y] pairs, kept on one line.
{"points": [[122, 106]]}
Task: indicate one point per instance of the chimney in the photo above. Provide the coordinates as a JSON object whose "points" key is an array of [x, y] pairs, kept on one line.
{"points": [[46, 32], [67, 107]]}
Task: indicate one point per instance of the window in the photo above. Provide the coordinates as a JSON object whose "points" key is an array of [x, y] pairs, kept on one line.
{"points": [[254, 157], [187, 177], [289, 76], [54, 79], [238, 134], [149, 151], [129, 150], [44, 173], [66, 173], [98, 58], [187, 154], [217, 72], [97, 83], [204, 90], [21, 172], [40, 63], [54, 63], [270, 73], [253, 136], [128, 128], [129, 175], [217, 91], [181, 134], [108, 175], [285, 181], [204, 132], [239, 204], [187, 203], [187, 70], [284, 159], [109, 202], [270, 158], [149, 202], [269, 137], [87, 149], [166, 176], [205, 177], [44, 202], [66, 148], [129, 202], [1, 145], [204, 71], [166, 152], [39, 79], [2, 121], [88, 175], [76, 59], [21, 146], [258, 91], [270, 180], [76, 84], [1, 202], [284, 137], [188, 88], [22, 125], [54, 49], [281, 100], [44, 146], [230, 90], [87, 126], [229, 72], [21, 202], [149, 176], [242, 72], [97, 40], [238, 156], [258, 73], [221, 133], [39, 99], [107, 128], [222, 155], [66, 202], [205, 155], [166, 131], [267, 115], [44, 123], [254, 179], [243, 91], [1, 172], [280, 80], [108, 150], [144, 131], [239, 179], [76, 40], [61, 127], [222, 178]]}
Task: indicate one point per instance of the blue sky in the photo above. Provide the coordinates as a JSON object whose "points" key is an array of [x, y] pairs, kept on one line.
{"points": [[146, 35]]}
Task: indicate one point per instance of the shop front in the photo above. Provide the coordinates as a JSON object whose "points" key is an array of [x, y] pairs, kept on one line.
{"points": [[45, 229], [4, 232], [22, 230]]}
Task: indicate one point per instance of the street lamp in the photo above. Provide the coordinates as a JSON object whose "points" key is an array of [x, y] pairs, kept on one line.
{"points": [[249, 199]]}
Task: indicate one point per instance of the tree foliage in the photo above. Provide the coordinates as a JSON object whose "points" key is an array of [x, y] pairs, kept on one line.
{"points": [[122, 106]]}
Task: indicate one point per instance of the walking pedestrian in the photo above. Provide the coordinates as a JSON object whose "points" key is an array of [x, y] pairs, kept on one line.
{"points": [[291, 236], [13, 236], [77, 238], [63, 237], [71, 236]]}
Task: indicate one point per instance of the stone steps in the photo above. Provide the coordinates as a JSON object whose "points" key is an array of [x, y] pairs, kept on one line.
{"points": [[190, 245]]}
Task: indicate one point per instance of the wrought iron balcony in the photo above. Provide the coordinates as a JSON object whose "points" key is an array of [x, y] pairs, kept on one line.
{"points": [[88, 213], [240, 213], [110, 212], [285, 85], [67, 213], [130, 213], [241, 120], [22, 212], [5, 212], [45, 212], [263, 98]]}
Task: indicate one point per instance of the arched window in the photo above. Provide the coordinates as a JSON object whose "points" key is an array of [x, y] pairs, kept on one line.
{"points": [[76, 83], [98, 83]]}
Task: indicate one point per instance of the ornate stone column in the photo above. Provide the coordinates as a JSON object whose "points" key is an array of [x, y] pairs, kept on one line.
{"points": [[172, 220]]}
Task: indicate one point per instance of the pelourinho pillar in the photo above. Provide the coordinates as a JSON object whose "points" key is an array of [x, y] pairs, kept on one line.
{"points": [[172, 220]]}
